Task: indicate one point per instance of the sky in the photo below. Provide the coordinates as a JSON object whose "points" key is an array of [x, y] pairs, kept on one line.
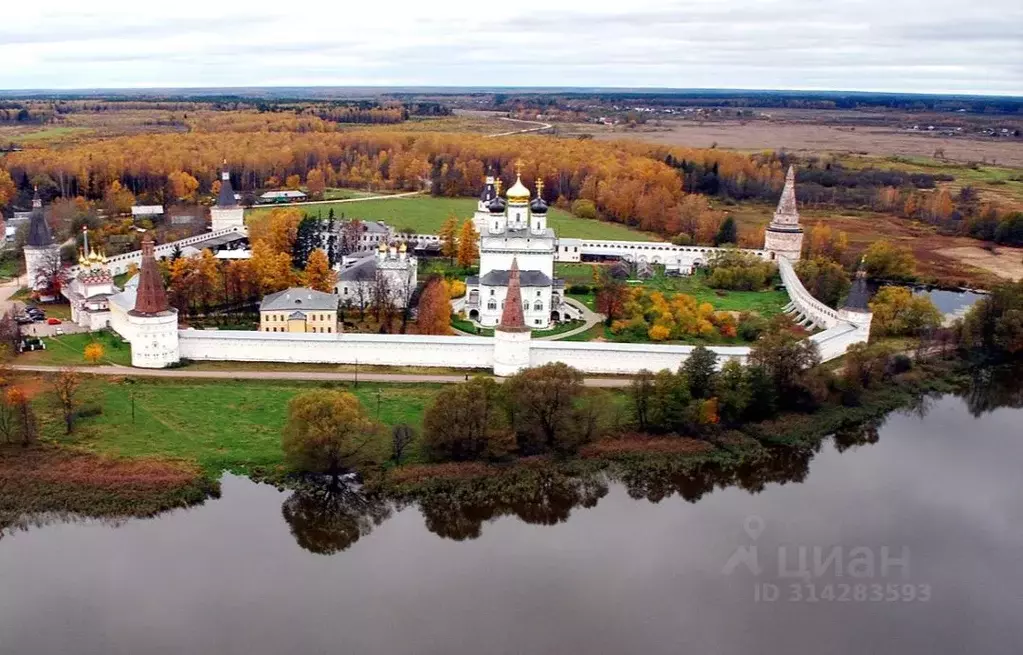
{"points": [[873, 45]]}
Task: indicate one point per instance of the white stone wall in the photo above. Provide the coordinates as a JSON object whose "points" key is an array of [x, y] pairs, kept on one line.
{"points": [[227, 218], [118, 264], [38, 258], [623, 358], [803, 301], [155, 340], [368, 349]]}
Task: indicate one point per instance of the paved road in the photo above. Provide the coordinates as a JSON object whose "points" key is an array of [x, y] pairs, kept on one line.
{"points": [[315, 376]]}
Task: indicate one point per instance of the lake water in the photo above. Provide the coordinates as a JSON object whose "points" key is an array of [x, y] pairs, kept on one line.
{"points": [[594, 568]]}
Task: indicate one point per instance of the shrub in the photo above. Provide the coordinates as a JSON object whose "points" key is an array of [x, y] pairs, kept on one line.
{"points": [[579, 289], [584, 208]]}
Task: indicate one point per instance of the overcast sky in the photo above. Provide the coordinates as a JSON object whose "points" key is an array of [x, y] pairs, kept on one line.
{"points": [[889, 45]]}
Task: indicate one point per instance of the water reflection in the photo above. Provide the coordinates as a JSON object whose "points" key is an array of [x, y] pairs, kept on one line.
{"points": [[328, 516], [543, 496], [994, 388]]}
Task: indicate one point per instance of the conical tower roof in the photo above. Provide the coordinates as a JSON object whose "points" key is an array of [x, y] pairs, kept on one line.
{"points": [[787, 213], [225, 198], [39, 234], [512, 318], [859, 294], [151, 298]]}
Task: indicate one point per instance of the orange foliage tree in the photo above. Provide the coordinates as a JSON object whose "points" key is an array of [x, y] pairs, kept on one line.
{"points": [[318, 274], [467, 244], [435, 308]]}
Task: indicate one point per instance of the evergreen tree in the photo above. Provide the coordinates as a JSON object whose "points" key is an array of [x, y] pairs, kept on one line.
{"points": [[701, 371], [727, 233], [307, 240]]}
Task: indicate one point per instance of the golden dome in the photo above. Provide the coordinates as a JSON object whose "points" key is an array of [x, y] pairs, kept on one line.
{"points": [[518, 192], [403, 247], [382, 247]]}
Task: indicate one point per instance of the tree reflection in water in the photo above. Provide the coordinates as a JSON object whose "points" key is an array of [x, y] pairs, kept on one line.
{"points": [[541, 496], [327, 517]]}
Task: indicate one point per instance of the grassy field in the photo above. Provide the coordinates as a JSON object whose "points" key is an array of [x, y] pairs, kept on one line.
{"points": [[425, 215], [233, 425], [45, 134], [766, 303], [70, 350]]}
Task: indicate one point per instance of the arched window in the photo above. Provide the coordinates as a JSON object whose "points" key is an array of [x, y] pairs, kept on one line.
{"points": [[538, 306], [491, 305]]}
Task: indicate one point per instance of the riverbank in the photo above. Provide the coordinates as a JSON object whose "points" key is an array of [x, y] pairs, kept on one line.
{"points": [[150, 445]]}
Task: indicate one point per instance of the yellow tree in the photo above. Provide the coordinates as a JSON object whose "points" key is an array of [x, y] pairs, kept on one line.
{"points": [[315, 184], [7, 188], [292, 182], [318, 274], [117, 199], [278, 229], [94, 352], [449, 237], [467, 239], [182, 185], [435, 308]]}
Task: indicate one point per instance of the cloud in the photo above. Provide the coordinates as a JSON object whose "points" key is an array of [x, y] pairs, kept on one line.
{"points": [[898, 45]]}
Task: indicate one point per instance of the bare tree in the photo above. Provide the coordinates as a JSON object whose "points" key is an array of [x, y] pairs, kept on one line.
{"points": [[402, 436], [351, 233], [51, 274], [10, 332], [405, 294], [65, 385]]}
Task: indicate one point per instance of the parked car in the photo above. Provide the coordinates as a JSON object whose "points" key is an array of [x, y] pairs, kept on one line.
{"points": [[59, 331], [24, 319], [32, 311], [53, 321]]}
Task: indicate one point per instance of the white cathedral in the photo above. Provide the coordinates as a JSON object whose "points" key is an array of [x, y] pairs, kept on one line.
{"points": [[515, 228]]}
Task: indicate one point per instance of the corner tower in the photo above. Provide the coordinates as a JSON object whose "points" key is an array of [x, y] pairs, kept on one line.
{"points": [[42, 255], [784, 236], [857, 305], [511, 337], [154, 323], [227, 213]]}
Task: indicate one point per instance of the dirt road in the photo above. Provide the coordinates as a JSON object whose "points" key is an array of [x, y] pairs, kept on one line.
{"points": [[313, 376]]}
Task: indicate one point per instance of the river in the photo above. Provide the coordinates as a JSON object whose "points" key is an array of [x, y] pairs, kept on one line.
{"points": [[593, 568]]}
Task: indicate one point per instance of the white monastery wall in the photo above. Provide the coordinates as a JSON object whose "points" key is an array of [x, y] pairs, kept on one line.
{"points": [[807, 306], [623, 358], [118, 264], [368, 349]]}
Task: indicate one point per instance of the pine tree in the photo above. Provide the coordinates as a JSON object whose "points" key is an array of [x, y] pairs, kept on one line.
{"points": [[727, 233], [467, 239], [307, 239], [449, 237]]}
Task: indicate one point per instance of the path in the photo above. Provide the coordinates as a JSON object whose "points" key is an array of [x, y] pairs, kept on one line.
{"points": [[540, 127], [314, 376], [591, 318]]}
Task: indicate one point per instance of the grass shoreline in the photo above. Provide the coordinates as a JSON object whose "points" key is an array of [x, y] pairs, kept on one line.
{"points": [[113, 468]]}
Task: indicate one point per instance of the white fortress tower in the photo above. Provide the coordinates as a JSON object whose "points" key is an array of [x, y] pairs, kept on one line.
{"points": [[154, 323], [857, 308], [227, 213], [784, 236], [511, 337], [42, 255]]}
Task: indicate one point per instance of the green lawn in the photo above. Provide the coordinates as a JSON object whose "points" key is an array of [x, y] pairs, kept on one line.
{"points": [[70, 350], [767, 303], [234, 425], [425, 215]]}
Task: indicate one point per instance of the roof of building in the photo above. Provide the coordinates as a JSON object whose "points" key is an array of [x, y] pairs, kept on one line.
{"points": [[225, 197], [512, 318], [859, 293], [498, 278], [300, 298], [364, 270], [146, 210], [39, 233], [151, 298], [787, 212], [288, 193]]}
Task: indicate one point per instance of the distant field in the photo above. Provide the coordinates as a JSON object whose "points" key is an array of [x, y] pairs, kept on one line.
{"points": [[426, 214], [43, 134], [798, 137]]}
